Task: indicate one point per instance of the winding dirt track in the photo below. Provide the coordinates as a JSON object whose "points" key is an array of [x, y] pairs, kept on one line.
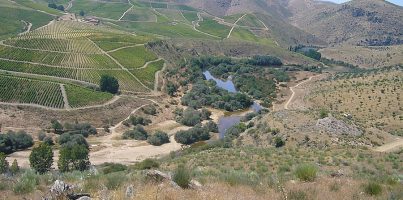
{"points": [[395, 145], [286, 105], [229, 34]]}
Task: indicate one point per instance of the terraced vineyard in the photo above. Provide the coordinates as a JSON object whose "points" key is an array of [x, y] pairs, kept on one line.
{"points": [[77, 51], [21, 90], [79, 97]]}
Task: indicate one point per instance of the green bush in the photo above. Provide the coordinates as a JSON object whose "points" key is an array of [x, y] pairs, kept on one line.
{"points": [[108, 168], [182, 176], [13, 141], [109, 84], [323, 113], [146, 164], [138, 133], [3, 163], [69, 139], [195, 134], [159, 138], [297, 195], [27, 183], [115, 180], [306, 172], [74, 157], [278, 142], [137, 120], [372, 189], [41, 158]]}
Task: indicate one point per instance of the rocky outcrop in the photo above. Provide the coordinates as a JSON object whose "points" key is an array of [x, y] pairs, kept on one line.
{"points": [[337, 127]]}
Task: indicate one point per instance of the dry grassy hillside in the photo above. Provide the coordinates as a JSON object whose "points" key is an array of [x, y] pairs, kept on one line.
{"points": [[358, 22]]}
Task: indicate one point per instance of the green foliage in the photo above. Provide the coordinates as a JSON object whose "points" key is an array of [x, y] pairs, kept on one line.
{"points": [[138, 120], [189, 117], [373, 189], [265, 60], [12, 141], [41, 136], [278, 142], [211, 126], [182, 176], [73, 157], [171, 89], [204, 95], [323, 113], [235, 131], [115, 180], [159, 138], [147, 164], [108, 168], [195, 134], [48, 140], [109, 84], [306, 172], [14, 168], [3, 163], [138, 133], [313, 54], [27, 183], [68, 139], [56, 126], [149, 110], [41, 158], [84, 129], [297, 195]]}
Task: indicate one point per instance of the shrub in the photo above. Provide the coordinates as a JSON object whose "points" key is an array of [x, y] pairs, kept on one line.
{"points": [[14, 169], [278, 142], [3, 163], [41, 158], [182, 176], [48, 140], [57, 126], [41, 136], [147, 164], [372, 188], [211, 126], [265, 60], [73, 157], [297, 195], [323, 113], [109, 84], [69, 139], [306, 172], [27, 183], [138, 133], [84, 129], [150, 110], [195, 134], [108, 168], [190, 117], [137, 120], [12, 141], [115, 180], [159, 138]]}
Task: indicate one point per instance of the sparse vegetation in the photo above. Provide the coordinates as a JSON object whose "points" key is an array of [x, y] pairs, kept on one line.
{"points": [[306, 172]]}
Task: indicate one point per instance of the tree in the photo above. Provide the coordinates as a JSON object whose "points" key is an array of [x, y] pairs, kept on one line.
{"points": [[14, 169], [52, 5], [41, 158], [159, 138], [57, 126], [182, 176], [74, 157], [109, 84], [171, 89], [81, 13], [3, 163], [68, 139], [60, 7], [138, 133]]}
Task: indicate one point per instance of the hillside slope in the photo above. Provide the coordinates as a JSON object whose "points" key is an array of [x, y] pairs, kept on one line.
{"points": [[359, 22]]}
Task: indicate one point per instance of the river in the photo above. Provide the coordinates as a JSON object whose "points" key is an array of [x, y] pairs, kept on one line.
{"points": [[230, 118]]}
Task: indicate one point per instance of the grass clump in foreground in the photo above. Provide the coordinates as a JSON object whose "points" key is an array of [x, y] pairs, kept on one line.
{"points": [[372, 189], [306, 172], [182, 176]]}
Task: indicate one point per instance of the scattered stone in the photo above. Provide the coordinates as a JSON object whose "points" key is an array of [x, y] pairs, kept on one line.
{"points": [[130, 191], [174, 185], [84, 198], [93, 170], [339, 173], [79, 196], [195, 185], [60, 188], [158, 175], [337, 127]]}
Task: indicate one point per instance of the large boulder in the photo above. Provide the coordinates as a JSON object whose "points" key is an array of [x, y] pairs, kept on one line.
{"points": [[60, 188], [337, 127]]}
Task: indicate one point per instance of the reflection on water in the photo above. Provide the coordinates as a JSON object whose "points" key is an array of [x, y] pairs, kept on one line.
{"points": [[233, 118], [226, 85]]}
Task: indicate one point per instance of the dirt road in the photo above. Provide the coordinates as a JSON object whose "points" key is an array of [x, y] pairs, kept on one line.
{"points": [[287, 104], [395, 145]]}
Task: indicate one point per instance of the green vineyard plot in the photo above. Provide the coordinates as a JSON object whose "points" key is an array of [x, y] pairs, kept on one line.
{"points": [[133, 57], [140, 14], [112, 10], [21, 90], [147, 74], [250, 20], [212, 27], [79, 96]]}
